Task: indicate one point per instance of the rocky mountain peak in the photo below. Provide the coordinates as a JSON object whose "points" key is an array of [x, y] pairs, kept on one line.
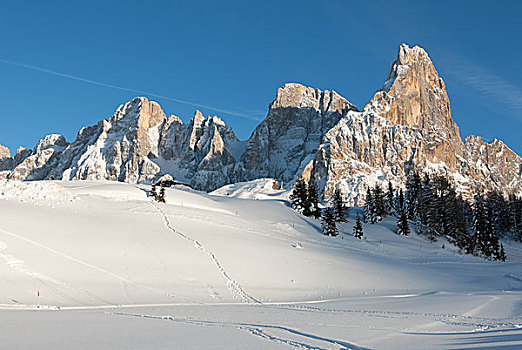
{"points": [[415, 96], [198, 119], [284, 144], [294, 95], [49, 141], [4, 152], [146, 114], [309, 133]]}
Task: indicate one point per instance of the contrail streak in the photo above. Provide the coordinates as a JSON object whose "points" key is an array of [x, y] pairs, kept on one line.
{"points": [[122, 88]]}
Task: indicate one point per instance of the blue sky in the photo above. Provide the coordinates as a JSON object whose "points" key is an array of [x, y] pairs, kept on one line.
{"points": [[232, 56]]}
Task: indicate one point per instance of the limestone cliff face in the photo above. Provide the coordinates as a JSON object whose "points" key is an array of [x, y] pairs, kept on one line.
{"points": [[119, 148], [415, 96], [4, 152], [408, 125], [42, 160], [493, 165], [286, 141], [137, 144], [199, 153]]}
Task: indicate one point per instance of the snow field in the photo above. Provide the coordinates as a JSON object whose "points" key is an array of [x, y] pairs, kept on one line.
{"points": [[231, 271]]}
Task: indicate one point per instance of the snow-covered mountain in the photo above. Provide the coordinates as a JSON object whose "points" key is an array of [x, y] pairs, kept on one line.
{"points": [[137, 144], [307, 132], [408, 125]]}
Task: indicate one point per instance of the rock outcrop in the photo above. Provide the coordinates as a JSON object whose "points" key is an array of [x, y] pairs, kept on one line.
{"points": [[285, 143], [415, 96], [200, 153], [408, 125], [4, 152], [137, 144], [309, 133]]}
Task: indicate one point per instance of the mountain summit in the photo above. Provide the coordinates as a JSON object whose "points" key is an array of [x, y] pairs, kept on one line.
{"points": [[309, 133]]}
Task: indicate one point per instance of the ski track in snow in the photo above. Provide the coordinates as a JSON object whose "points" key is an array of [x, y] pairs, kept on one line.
{"points": [[259, 330], [465, 319], [233, 286]]}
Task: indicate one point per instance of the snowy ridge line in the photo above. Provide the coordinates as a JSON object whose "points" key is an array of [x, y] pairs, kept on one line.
{"points": [[256, 330], [99, 269], [233, 286]]}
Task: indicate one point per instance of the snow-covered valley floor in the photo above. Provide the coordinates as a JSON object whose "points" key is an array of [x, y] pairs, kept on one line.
{"points": [[115, 270]]}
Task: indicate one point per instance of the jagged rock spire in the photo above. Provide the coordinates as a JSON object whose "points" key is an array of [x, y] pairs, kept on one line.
{"points": [[4, 152]]}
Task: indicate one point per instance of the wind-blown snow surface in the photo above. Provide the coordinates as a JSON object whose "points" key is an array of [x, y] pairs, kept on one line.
{"points": [[115, 270]]}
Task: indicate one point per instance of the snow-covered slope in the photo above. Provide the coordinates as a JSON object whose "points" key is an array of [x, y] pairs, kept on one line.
{"points": [[255, 189], [247, 273]]}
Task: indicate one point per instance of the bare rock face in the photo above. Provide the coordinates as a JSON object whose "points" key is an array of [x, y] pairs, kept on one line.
{"points": [[287, 140], [493, 165], [137, 144], [200, 153], [40, 163], [361, 150], [114, 149], [4, 152], [119, 148], [408, 125], [415, 96]]}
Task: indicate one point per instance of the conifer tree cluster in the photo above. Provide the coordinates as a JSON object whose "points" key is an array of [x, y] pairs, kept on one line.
{"points": [[304, 198], [375, 208], [160, 197], [485, 238], [435, 209], [433, 206]]}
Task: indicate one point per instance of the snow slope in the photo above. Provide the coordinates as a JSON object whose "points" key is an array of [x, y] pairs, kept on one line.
{"points": [[222, 271]]}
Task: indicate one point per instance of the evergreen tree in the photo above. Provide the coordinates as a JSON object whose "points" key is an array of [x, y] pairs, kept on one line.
{"points": [[480, 228], [500, 211], [153, 192], [161, 196], [515, 212], [478, 224], [51, 177], [454, 222], [379, 206], [413, 191], [328, 226], [299, 196], [390, 200], [427, 209], [369, 208], [338, 206], [402, 220], [492, 248], [502, 254], [357, 228], [312, 201]]}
